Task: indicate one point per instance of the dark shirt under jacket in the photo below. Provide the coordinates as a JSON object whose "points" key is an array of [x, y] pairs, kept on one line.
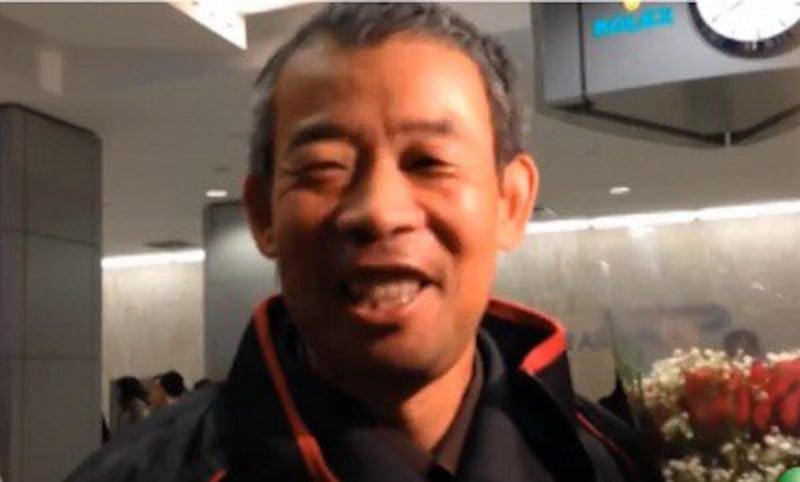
{"points": [[335, 411]]}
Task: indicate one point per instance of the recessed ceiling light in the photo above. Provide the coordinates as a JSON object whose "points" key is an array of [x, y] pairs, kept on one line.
{"points": [[619, 190], [216, 193]]}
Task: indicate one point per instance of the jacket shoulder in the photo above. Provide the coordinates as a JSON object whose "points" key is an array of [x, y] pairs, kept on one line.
{"points": [[176, 443]]}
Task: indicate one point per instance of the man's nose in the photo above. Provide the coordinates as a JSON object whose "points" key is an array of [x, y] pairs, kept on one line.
{"points": [[381, 203]]}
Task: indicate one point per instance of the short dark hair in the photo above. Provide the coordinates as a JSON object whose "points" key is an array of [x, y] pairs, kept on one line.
{"points": [[742, 339], [130, 388], [360, 24], [172, 383]]}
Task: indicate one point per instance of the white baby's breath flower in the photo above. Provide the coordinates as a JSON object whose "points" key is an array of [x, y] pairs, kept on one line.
{"points": [[677, 427], [720, 475], [751, 477], [772, 472], [688, 469]]}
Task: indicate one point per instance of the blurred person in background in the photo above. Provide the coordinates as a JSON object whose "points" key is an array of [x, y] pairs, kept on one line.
{"points": [[742, 341], [201, 384], [167, 389], [132, 399]]}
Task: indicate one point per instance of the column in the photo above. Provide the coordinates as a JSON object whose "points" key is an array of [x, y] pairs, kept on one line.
{"points": [[50, 228], [236, 278]]}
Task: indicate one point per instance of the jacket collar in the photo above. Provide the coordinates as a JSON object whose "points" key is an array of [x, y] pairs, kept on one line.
{"points": [[536, 344], [521, 337], [544, 340]]}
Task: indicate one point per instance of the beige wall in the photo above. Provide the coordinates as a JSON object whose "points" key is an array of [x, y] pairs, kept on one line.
{"points": [[152, 322]]}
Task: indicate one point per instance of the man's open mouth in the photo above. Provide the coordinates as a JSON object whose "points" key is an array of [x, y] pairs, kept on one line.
{"points": [[384, 288]]}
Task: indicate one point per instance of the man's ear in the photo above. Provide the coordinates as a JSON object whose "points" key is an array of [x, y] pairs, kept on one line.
{"points": [[519, 184], [259, 213]]}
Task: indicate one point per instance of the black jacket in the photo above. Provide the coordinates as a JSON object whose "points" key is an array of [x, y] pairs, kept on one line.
{"points": [[528, 425]]}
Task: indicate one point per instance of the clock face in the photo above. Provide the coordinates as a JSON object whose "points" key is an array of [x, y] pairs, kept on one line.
{"points": [[749, 27]]}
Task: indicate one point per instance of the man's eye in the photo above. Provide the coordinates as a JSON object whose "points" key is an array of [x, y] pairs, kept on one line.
{"points": [[426, 161], [318, 174], [322, 166], [428, 164]]}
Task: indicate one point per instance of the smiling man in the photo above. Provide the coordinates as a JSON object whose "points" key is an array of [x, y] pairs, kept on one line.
{"points": [[387, 173]]}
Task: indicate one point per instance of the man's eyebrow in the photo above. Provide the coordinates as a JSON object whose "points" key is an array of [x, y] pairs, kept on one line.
{"points": [[319, 131], [326, 130], [442, 127]]}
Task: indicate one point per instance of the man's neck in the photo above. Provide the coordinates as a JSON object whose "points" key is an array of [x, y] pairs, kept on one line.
{"points": [[424, 414]]}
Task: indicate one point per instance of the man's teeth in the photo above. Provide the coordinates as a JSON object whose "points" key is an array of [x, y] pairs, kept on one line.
{"points": [[383, 293]]}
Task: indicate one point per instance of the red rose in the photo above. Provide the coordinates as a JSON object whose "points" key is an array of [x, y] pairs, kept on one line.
{"points": [[785, 374], [762, 415], [716, 402], [759, 373], [760, 377], [789, 410], [741, 400], [776, 396]]}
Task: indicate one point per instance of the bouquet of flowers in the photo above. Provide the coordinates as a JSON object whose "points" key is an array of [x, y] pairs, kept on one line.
{"points": [[719, 418]]}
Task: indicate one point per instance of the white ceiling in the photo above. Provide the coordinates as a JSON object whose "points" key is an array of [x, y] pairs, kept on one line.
{"points": [[170, 102]]}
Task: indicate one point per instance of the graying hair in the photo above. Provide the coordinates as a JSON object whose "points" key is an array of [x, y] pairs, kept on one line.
{"points": [[357, 25]]}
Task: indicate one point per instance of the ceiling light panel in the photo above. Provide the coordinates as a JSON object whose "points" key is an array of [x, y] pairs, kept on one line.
{"points": [[218, 16]]}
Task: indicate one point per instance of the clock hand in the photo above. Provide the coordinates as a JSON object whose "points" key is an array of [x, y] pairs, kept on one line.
{"points": [[732, 7]]}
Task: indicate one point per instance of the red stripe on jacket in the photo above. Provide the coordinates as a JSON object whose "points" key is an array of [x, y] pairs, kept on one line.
{"points": [[310, 450]]}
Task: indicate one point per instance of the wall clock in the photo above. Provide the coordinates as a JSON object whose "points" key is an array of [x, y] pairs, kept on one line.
{"points": [[749, 28]]}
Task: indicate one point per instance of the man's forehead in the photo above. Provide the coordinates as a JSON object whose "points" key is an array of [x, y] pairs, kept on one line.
{"points": [[408, 87], [317, 54], [326, 74], [323, 54]]}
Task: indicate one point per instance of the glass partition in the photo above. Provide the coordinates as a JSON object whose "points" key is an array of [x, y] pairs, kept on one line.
{"points": [[700, 320]]}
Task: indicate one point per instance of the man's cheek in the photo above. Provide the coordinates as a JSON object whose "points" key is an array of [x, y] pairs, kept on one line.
{"points": [[294, 226]]}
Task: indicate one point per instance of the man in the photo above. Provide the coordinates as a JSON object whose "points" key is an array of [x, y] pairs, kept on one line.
{"points": [[387, 172]]}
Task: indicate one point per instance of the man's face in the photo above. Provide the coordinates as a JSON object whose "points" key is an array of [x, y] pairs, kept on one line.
{"points": [[386, 211]]}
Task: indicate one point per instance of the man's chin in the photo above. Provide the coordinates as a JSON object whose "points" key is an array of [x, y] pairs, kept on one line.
{"points": [[408, 358]]}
